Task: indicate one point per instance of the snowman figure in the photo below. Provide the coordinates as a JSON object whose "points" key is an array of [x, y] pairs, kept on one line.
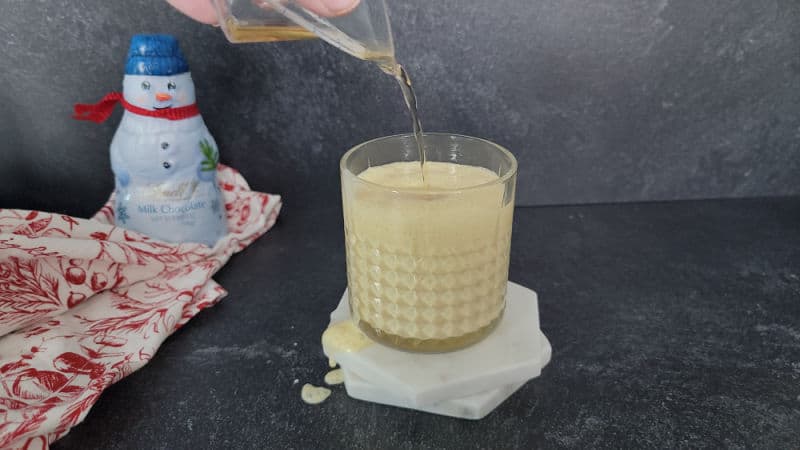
{"points": [[163, 157]]}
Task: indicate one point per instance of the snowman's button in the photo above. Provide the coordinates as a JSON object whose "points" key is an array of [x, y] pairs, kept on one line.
{"points": [[164, 145], [166, 164]]}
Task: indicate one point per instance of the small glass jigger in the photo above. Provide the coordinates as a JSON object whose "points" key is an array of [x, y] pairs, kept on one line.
{"points": [[427, 261], [363, 32]]}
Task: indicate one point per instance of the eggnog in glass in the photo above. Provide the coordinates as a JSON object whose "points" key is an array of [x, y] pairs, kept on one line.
{"points": [[427, 257]]}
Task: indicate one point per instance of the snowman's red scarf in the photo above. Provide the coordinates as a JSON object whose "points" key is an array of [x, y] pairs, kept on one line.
{"points": [[101, 110]]}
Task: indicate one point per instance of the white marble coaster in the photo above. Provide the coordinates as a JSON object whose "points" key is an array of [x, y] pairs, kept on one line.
{"points": [[474, 407], [515, 352]]}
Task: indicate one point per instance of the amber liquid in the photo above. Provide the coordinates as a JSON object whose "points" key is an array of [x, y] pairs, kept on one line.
{"points": [[242, 32], [428, 345]]}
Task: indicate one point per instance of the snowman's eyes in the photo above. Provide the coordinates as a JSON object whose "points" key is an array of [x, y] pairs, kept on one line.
{"points": [[145, 85], [171, 86]]}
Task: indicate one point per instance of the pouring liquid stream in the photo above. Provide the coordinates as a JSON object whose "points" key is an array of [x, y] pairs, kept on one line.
{"points": [[390, 66], [411, 102]]}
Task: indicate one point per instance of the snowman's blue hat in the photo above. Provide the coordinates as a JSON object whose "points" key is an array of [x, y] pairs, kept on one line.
{"points": [[155, 54]]}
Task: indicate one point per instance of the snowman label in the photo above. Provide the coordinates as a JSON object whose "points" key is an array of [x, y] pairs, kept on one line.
{"points": [[163, 157]]}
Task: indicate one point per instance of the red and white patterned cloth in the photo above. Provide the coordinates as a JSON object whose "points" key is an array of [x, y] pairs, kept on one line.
{"points": [[84, 303]]}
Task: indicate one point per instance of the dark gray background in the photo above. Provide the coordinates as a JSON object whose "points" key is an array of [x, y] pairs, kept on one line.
{"points": [[601, 101]]}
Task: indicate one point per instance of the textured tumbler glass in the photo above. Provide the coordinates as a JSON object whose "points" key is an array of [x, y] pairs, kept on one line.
{"points": [[427, 268]]}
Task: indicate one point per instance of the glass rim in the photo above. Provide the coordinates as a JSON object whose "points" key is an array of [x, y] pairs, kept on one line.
{"points": [[512, 171]]}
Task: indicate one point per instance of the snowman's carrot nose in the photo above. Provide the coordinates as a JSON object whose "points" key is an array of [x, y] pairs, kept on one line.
{"points": [[162, 97]]}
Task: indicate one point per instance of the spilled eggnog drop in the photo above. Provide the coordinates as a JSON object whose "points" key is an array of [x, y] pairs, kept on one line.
{"points": [[334, 377], [344, 336], [314, 395]]}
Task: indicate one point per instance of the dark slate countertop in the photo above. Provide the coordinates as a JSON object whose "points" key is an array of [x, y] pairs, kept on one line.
{"points": [[672, 325]]}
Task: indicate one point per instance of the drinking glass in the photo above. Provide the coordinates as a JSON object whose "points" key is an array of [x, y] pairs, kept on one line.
{"points": [[427, 268]]}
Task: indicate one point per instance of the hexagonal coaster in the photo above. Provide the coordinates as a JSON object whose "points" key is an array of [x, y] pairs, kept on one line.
{"points": [[513, 353], [471, 407]]}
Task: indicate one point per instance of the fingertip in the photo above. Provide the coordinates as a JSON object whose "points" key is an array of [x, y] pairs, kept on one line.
{"points": [[341, 7], [329, 8], [200, 10]]}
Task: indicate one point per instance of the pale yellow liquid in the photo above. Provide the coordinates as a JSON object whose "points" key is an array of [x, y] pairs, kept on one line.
{"points": [[427, 271], [343, 337], [334, 377], [314, 395]]}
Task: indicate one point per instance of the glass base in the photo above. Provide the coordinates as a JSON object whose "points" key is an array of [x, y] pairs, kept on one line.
{"points": [[417, 345]]}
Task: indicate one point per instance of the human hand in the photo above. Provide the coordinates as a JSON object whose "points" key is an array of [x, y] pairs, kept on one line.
{"points": [[203, 11]]}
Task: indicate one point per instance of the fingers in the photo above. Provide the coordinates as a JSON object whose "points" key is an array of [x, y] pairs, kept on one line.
{"points": [[199, 10], [329, 8], [203, 11]]}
